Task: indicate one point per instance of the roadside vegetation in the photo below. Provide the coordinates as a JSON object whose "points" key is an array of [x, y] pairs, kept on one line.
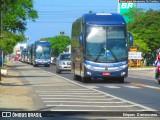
{"points": [[144, 27], [58, 44], [14, 16]]}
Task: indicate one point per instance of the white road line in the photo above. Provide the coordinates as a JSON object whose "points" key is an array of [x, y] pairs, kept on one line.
{"points": [[77, 90], [112, 87], [77, 102], [63, 93], [142, 106], [142, 78], [148, 86], [87, 99], [92, 87], [133, 87], [72, 96], [124, 106], [48, 85]]}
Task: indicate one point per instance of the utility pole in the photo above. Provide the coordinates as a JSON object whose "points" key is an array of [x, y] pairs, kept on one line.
{"points": [[0, 33], [1, 19]]}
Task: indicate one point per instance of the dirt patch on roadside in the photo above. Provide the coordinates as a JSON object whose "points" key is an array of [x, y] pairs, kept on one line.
{"points": [[13, 94]]}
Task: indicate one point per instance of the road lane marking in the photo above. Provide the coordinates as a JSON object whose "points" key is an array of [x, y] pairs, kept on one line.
{"points": [[148, 86], [144, 85], [134, 87], [142, 78], [61, 105], [92, 87], [61, 90], [73, 98], [112, 87], [72, 95], [78, 102], [49, 85], [107, 94]]}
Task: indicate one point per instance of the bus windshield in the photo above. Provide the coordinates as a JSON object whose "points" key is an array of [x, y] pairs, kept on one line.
{"points": [[43, 52], [65, 57], [105, 43]]}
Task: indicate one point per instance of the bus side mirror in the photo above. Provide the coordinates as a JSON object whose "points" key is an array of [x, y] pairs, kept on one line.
{"points": [[80, 38], [130, 38]]}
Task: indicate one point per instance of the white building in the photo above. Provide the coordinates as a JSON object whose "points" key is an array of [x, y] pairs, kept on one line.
{"points": [[19, 47], [68, 49]]}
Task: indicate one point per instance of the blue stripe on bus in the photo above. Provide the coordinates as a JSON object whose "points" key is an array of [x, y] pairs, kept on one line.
{"points": [[105, 64]]}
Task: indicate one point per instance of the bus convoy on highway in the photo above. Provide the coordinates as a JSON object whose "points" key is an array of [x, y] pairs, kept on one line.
{"points": [[99, 48], [36, 54]]}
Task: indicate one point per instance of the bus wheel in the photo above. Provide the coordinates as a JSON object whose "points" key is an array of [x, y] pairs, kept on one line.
{"points": [[47, 65], [158, 81], [86, 79], [35, 65], [75, 77], [121, 80], [58, 71]]}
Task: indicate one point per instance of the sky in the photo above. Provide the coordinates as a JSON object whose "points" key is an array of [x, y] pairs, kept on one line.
{"points": [[58, 15]]}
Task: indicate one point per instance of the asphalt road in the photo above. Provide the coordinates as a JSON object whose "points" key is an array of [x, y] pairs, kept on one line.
{"points": [[59, 92], [140, 87]]}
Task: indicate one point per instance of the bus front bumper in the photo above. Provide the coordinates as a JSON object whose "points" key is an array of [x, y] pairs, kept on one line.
{"points": [[42, 62], [105, 73]]}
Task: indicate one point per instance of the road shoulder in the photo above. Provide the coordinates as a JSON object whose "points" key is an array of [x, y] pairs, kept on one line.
{"points": [[14, 95]]}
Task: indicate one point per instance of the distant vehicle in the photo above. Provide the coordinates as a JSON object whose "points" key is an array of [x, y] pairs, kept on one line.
{"points": [[16, 58], [41, 53], [17, 50], [24, 55], [30, 52], [99, 44], [68, 49], [54, 61], [63, 62]]}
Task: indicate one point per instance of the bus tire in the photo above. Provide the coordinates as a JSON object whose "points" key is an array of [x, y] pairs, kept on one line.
{"points": [[47, 65], [35, 65], [86, 79], [121, 80], [75, 77], [158, 81]]}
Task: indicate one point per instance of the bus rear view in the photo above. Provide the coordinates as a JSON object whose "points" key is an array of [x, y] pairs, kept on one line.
{"points": [[100, 44]]}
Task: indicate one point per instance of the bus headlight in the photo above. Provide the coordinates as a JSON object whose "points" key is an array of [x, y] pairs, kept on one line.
{"points": [[123, 66], [87, 66], [123, 73]]}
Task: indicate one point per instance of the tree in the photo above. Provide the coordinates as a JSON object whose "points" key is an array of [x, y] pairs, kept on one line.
{"points": [[16, 13], [14, 16], [59, 43], [145, 29], [9, 40]]}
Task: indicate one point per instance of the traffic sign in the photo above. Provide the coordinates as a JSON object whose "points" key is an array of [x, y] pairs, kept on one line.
{"points": [[135, 55], [124, 8]]}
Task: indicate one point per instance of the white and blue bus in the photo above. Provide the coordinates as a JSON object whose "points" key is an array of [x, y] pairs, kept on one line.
{"points": [[99, 47], [41, 53]]}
